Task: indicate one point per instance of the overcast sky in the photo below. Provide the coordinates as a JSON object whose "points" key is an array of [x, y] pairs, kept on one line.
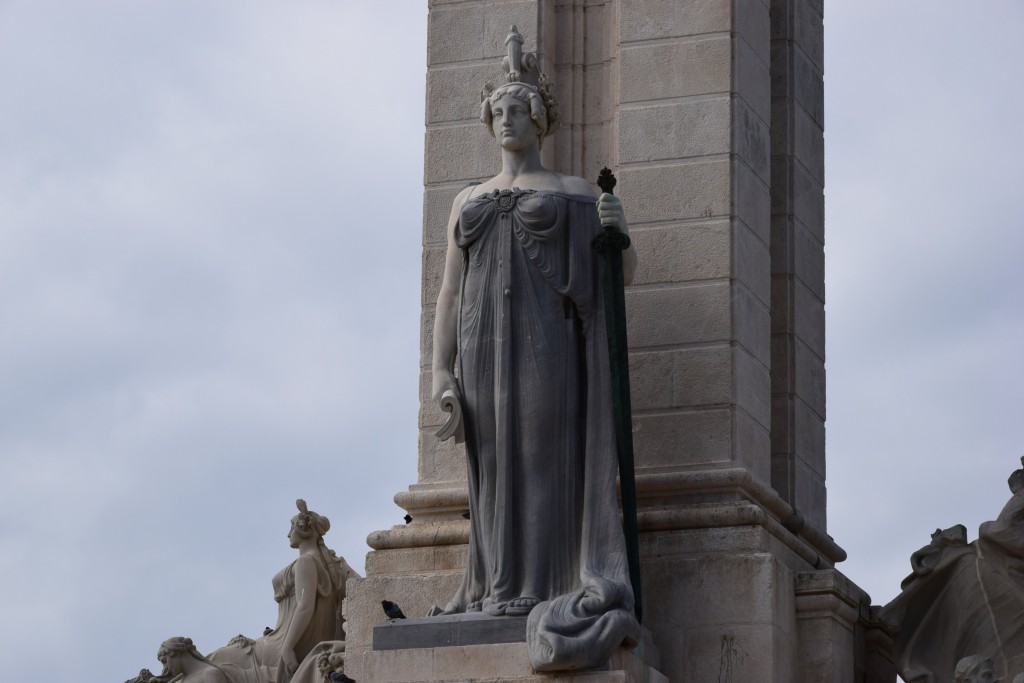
{"points": [[209, 299]]}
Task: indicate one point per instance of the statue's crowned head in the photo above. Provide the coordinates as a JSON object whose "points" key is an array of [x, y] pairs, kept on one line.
{"points": [[525, 82]]}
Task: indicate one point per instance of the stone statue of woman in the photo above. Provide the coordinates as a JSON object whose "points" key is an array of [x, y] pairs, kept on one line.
{"points": [[522, 311], [309, 592]]}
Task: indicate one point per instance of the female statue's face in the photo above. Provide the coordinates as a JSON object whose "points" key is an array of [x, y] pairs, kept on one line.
{"points": [[295, 534], [171, 662], [510, 120]]}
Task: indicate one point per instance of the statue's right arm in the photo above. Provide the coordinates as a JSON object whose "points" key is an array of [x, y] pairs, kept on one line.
{"points": [[447, 311]]}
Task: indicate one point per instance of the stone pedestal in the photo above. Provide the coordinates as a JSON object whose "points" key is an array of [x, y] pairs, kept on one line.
{"points": [[443, 649], [710, 112]]}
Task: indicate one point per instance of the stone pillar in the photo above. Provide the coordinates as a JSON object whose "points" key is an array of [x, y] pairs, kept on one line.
{"points": [[798, 257], [710, 112]]}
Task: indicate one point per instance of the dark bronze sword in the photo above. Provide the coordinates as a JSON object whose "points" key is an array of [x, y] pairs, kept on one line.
{"points": [[610, 245]]}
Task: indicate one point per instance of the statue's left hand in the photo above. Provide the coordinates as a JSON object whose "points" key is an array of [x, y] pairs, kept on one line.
{"points": [[609, 208]]}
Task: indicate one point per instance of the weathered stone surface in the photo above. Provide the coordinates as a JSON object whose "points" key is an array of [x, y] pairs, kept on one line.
{"points": [[453, 93], [459, 153], [677, 130], [686, 252], [657, 19], [751, 80], [751, 201], [699, 313], [457, 34], [688, 67], [676, 192]]}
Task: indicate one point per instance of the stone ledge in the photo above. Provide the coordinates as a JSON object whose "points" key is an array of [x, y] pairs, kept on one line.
{"points": [[687, 499], [448, 631], [493, 663]]}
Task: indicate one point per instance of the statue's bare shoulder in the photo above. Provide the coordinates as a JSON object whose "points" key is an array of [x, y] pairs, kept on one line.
{"points": [[575, 185]]}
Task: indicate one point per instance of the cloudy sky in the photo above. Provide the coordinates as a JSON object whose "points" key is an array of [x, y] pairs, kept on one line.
{"points": [[209, 299]]}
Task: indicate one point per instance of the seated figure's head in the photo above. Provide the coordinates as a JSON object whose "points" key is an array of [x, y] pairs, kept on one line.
{"points": [[1016, 482], [975, 669], [172, 650]]}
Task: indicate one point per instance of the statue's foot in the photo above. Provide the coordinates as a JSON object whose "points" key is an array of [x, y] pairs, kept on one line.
{"points": [[517, 607], [474, 606], [436, 611], [494, 608]]}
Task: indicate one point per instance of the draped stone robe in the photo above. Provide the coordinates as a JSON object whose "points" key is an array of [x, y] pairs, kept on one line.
{"points": [[534, 376]]}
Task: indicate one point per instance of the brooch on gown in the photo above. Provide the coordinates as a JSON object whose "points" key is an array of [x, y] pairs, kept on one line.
{"points": [[505, 200]]}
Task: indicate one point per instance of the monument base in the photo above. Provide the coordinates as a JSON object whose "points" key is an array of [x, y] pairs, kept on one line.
{"points": [[450, 649]]}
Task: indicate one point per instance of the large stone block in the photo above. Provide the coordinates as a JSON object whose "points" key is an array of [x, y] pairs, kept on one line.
{"points": [[795, 192], [796, 252], [433, 273], [796, 78], [751, 324], [681, 378], [686, 252], [678, 438], [751, 200], [809, 376], [752, 387], [478, 31], [676, 130], [810, 497], [828, 608], [453, 93], [751, 140], [801, 21], [415, 561], [678, 315], [809, 318], [437, 207], [657, 19], [415, 594], [751, 262], [752, 446], [751, 79], [427, 335], [809, 437], [724, 608], [752, 25], [673, 192], [460, 153], [678, 69], [440, 462]]}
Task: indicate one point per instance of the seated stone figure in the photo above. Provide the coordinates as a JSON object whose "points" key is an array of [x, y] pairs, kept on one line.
{"points": [[309, 594], [963, 602]]}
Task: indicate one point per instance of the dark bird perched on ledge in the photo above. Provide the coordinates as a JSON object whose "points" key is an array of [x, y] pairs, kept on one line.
{"points": [[339, 677], [392, 610]]}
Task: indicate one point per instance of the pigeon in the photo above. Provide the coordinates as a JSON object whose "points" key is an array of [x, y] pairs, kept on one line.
{"points": [[267, 631], [408, 518], [392, 610], [339, 677]]}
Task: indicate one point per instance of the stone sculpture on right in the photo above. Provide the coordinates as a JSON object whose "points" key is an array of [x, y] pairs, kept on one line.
{"points": [[964, 602]]}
